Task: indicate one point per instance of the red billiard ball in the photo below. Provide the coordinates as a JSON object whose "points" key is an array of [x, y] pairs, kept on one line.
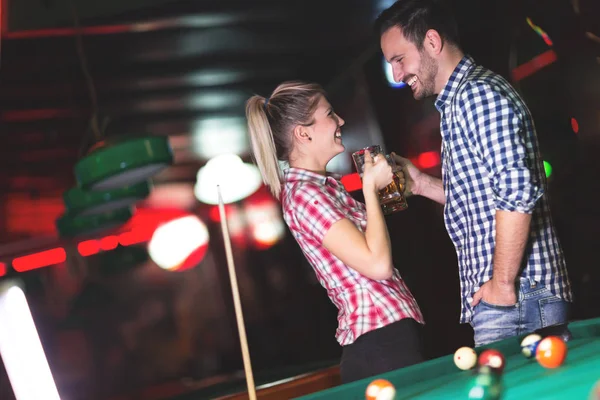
{"points": [[492, 358], [551, 352]]}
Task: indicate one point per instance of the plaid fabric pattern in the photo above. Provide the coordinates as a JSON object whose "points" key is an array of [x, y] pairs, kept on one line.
{"points": [[311, 204], [491, 161]]}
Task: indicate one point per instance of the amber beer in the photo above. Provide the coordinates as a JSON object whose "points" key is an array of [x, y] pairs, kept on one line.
{"points": [[391, 197]]}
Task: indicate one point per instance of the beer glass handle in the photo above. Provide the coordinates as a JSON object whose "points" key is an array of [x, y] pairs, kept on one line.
{"points": [[390, 160]]}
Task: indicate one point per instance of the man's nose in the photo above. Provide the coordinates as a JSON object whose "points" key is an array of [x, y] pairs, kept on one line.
{"points": [[398, 74]]}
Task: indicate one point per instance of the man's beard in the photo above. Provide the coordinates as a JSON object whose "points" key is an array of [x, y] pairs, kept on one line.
{"points": [[428, 70]]}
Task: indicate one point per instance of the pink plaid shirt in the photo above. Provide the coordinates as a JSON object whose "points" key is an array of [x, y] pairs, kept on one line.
{"points": [[312, 203]]}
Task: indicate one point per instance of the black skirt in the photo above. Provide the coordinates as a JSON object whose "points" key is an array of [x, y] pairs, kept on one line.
{"points": [[382, 350]]}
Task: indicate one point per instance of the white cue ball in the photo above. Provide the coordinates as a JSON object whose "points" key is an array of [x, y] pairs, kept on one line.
{"points": [[465, 358]]}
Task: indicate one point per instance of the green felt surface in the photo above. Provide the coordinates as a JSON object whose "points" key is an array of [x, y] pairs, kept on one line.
{"points": [[522, 379]]}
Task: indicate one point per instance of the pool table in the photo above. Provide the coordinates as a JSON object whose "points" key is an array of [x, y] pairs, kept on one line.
{"points": [[522, 378]]}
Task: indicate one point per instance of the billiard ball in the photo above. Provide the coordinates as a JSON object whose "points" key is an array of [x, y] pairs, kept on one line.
{"points": [[493, 358], [551, 352], [487, 370], [485, 386], [465, 358], [530, 344], [380, 389]]}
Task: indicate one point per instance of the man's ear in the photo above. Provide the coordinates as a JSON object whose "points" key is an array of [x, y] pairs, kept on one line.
{"points": [[433, 42]]}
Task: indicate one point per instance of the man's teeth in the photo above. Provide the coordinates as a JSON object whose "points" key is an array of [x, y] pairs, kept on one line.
{"points": [[412, 81], [338, 135]]}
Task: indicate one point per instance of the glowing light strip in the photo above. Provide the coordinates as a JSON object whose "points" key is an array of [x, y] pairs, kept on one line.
{"points": [[540, 32], [21, 349], [534, 65], [39, 260]]}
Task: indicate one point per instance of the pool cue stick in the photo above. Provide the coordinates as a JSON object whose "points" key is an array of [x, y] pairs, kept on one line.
{"points": [[236, 300]]}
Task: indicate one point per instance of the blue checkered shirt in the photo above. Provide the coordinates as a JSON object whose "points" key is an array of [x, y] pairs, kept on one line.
{"points": [[491, 161]]}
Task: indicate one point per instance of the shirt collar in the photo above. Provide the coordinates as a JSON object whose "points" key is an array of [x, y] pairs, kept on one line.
{"points": [[298, 174], [449, 91]]}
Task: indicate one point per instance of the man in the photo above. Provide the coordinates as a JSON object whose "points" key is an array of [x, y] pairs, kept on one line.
{"points": [[511, 266]]}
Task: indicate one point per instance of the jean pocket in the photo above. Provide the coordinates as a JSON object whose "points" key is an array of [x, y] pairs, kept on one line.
{"points": [[553, 311], [536, 291], [497, 307]]}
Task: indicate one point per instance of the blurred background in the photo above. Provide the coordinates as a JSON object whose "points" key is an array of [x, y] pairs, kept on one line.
{"points": [[136, 303]]}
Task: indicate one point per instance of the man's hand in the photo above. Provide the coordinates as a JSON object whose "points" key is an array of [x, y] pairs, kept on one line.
{"points": [[496, 294], [410, 174]]}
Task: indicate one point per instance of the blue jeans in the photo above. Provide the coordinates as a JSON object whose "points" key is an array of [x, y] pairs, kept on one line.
{"points": [[537, 310]]}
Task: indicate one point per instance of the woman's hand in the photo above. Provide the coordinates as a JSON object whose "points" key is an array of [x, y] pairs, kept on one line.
{"points": [[377, 172]]}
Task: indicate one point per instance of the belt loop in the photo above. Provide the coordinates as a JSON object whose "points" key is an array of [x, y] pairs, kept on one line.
{"points": [[523, 286], [533, 284]]}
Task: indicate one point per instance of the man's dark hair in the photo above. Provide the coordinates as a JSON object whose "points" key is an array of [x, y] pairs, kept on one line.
{"points": [[416, 17]]}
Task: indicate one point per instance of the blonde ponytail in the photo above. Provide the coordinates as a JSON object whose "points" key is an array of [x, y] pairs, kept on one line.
{"points": [[270, 124], [263, 144]]}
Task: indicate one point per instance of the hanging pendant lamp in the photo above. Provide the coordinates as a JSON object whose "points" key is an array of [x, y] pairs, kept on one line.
{"points": [[86, 202], [122, 162], [70, 226], [112, 172], [236, 178]]}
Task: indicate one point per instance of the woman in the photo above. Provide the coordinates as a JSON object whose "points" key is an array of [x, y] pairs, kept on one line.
{"points": [[378, 319]]}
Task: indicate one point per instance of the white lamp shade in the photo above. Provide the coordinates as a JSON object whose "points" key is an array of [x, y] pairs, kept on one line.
{"points": [[173, 242], [236, 179]]}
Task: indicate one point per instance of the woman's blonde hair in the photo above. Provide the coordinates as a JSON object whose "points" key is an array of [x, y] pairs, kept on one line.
{"points": [[271, 122]]}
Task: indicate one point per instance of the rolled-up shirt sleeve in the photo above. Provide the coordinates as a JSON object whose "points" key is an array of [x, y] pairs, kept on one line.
{"points": [[315, 210], [496, 130]]}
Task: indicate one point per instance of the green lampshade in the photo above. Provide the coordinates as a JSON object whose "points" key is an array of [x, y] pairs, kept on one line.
{"points": [[87, 202], [547, 169], [69, 225], [123, 162]]}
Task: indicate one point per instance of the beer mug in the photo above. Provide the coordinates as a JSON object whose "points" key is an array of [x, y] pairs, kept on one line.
{"points": [[391, 197]]}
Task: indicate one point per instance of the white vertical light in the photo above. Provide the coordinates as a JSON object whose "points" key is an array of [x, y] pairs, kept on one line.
{"points": [[21, 349]]}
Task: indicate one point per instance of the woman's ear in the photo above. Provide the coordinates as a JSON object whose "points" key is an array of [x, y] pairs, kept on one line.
{"points": [[302, 134]]}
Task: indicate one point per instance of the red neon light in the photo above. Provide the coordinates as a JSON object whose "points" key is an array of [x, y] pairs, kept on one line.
{"points": [[136, 236], [54, 32], [2, 269], [215, 216], [109, 243], [94, 246], [352, 182], [138, 230], [88, 248], [39, 260], [428, 159], [534, 65], [574, 125]]}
